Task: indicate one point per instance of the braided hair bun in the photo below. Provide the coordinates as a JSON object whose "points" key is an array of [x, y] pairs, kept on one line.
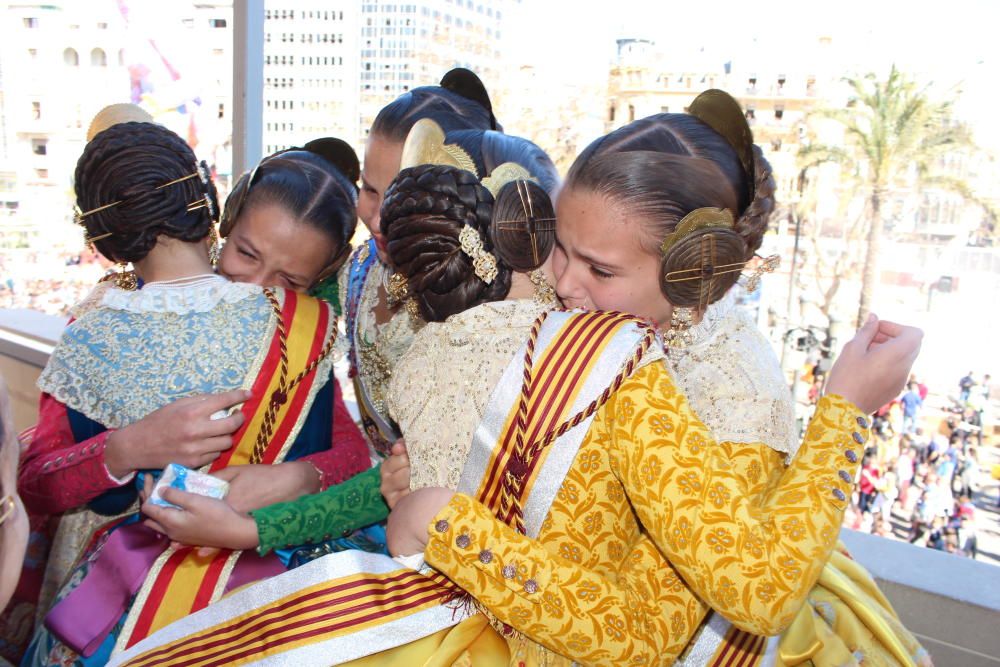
{"points": [[128, 163], [424, 211], [523, 228]]}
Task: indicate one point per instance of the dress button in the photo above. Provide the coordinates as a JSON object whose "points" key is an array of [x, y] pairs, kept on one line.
{"points": [[69, 459], [851, 456], [485, 556], [346, 533], [463, 541], [862, 422], [59, 460], [839, 495], [441, 526], [509, 571], [858, 438], [845, 476], [48, 464], [530, 586]]}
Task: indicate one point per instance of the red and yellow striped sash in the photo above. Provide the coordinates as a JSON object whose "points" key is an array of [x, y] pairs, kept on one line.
{"points": [[182, 582], [740, 649], [311, 615], [555, 384]]}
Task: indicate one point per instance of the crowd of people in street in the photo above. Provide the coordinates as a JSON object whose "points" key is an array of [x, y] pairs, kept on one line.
{"points": [[69, 276], [921, 475]]}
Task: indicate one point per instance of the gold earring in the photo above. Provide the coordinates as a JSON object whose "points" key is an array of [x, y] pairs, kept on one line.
{"points": [[545, 294], [214, 246], [125, 279], [679, 334]]}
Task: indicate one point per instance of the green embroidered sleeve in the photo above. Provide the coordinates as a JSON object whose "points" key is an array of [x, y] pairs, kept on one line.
{"points": [[336, 512]]}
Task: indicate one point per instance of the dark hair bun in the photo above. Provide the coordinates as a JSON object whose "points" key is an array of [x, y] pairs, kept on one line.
{"points": [[459, 103], [423, 214], [130, 163], [701, 267], [523, 229], [465, 83], [339, 153]]}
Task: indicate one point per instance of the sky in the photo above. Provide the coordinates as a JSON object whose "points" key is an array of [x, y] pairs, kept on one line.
{"points": [[944, 44]]}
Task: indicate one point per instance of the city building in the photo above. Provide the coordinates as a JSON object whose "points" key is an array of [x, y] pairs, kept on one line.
{"points": [[776, 93], [310, 72], [61, 62], [408, 45]]}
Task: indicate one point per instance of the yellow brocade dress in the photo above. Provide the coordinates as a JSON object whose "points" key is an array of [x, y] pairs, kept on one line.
{"points": [[645, 613]]}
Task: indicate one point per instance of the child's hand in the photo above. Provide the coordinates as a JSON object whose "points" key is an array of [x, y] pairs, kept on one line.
{"points": [[395, 473], [201, 521]]}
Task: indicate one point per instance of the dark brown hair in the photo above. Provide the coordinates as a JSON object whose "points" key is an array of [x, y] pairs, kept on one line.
{"points": [[426, 207], [662, 168], [424, 211], [459, 103], [128, 163], [315, 187]]}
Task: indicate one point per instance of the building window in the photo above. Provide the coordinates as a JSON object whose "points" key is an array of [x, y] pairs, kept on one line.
{"points": [[222, 110], [217, 23], [39, 146], [42, 173], [33, 53], [121, 57], [71, 57], [98, 58], [101, 25], [36, 110], [631, 113], [30, 22]]}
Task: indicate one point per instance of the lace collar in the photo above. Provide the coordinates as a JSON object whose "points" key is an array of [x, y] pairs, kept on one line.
{"points": [[714, 316], [198, 294], [494, 315]]}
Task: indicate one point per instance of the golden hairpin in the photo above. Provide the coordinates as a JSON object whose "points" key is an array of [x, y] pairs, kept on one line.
{"points": [[531, 223], [79, 215], [767, 265]]}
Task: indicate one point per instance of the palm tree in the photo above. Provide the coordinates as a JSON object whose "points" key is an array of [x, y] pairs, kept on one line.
{"points": [[895, 134]]}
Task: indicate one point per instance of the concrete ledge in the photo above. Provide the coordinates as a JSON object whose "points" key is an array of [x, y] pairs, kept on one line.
{"points": [[951, 603], [26, 341]]}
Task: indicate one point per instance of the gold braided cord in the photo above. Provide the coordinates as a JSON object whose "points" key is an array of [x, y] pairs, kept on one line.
{"points": [[280, 395], [513, 483]]}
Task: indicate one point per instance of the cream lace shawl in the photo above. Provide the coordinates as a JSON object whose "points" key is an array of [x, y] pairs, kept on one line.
{"points": [[733, 381], [441, 385]]}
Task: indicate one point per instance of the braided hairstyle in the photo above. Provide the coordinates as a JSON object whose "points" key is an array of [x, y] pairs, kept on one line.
{"points": [[459, 103], [424, 211], [316, 184], [427, 206], [128, 163], [665, 166]]}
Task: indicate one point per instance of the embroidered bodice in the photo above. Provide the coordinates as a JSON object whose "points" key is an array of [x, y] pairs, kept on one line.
{"points": [[378, 347], [441, 385], [197, 337], [733, 381]]}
